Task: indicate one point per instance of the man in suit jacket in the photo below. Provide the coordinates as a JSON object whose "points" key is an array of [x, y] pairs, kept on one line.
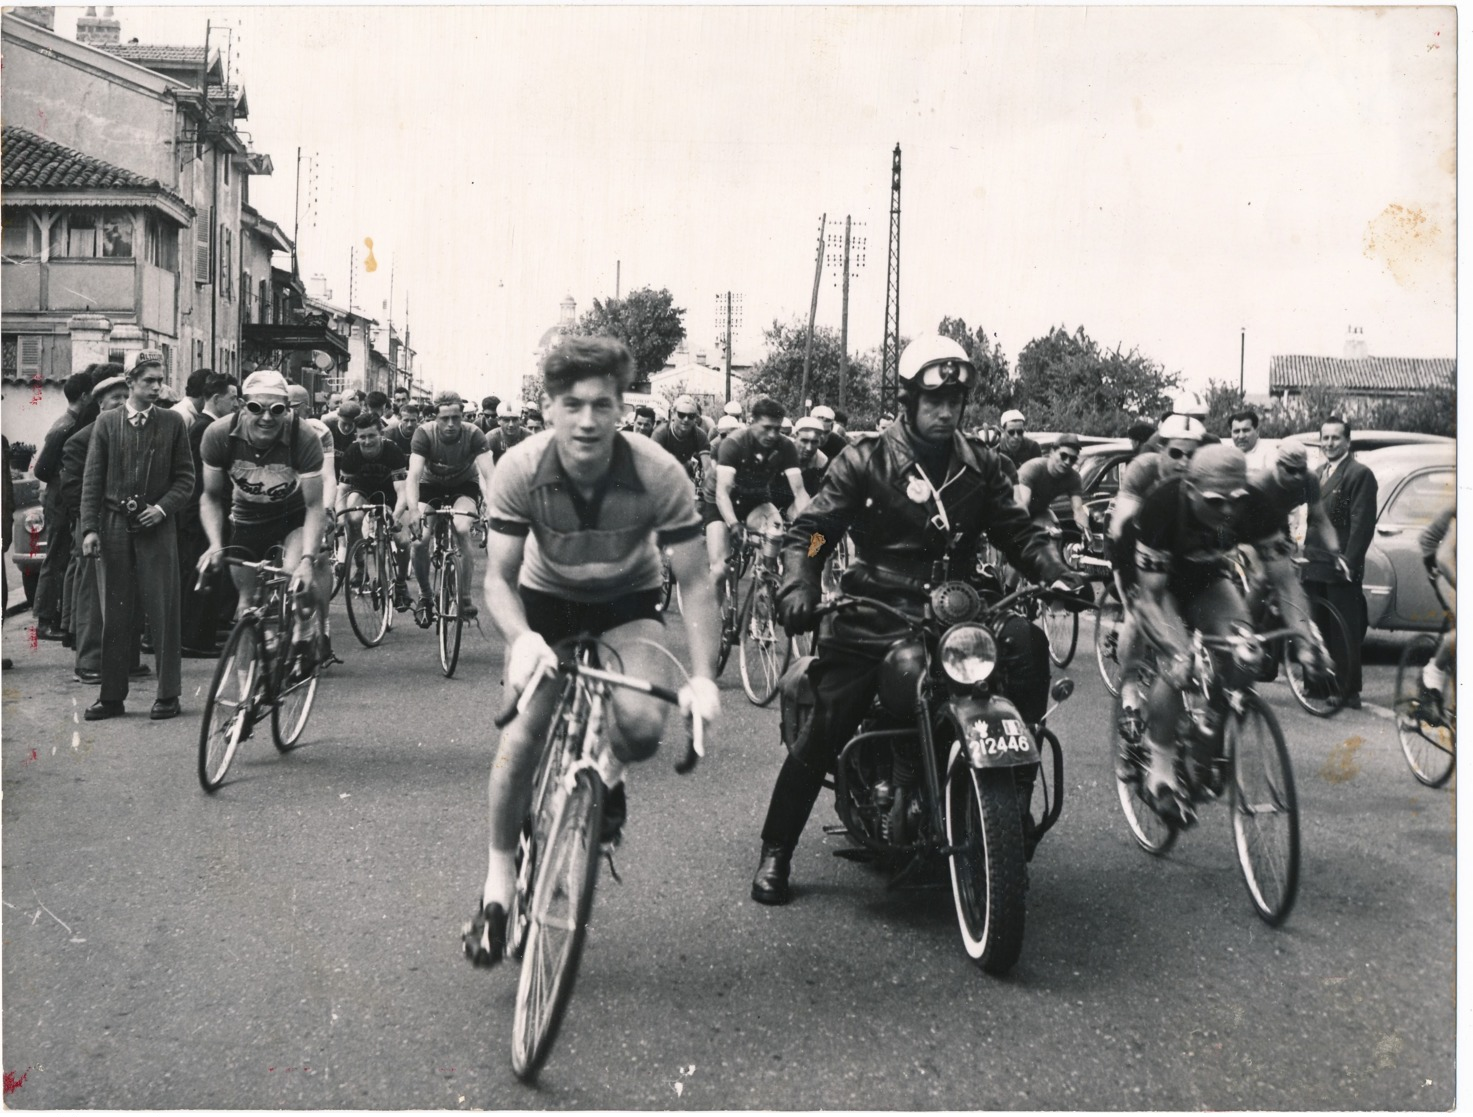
{"points": [[1349, 495], [139, 476], [201, 612], [48, 606]]}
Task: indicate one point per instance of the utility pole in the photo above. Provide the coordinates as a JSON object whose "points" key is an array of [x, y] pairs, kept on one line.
{"points": [[846, 260], [618, 276], [1242, 354], [890, 359], [812, 313], [297, 210], [728, 312]]}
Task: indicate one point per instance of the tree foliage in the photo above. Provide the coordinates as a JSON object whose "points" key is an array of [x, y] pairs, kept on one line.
{"points": [[1431, 412], [1068, 382], [646, 320], [780, 373]]}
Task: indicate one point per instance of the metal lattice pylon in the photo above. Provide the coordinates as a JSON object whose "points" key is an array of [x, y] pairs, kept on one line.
{"points": [[890, 361]]}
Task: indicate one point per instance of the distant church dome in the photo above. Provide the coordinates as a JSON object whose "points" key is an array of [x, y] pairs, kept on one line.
{"points": [[564, 325]]}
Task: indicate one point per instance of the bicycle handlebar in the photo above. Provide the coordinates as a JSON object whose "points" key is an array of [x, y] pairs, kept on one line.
{"points": [[694, 750]]}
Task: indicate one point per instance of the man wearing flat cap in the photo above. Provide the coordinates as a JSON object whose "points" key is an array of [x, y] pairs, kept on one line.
{"points": [[139, 475]]}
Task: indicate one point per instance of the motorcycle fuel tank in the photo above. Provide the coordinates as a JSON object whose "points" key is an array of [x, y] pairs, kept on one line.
{"points": [[900, 672]]}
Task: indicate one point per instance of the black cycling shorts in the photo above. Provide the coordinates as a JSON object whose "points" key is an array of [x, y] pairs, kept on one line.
{"points": [[555, 619], [442, 496], [388, 498], [711, 513], [251, 540]]}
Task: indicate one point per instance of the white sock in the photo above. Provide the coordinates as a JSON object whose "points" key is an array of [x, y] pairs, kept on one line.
{"points": [[501, 879], [1130, 695], [1433, 677], [1163, 763], [611, 769]]}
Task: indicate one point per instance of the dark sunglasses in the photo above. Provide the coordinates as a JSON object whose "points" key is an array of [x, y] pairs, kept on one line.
{"points": [[1294, 470], [277, 409], [1176, 453], [1068, 459], [685, 414]]}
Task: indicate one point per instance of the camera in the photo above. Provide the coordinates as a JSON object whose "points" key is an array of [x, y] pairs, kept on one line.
{"points": [[133, 507]]}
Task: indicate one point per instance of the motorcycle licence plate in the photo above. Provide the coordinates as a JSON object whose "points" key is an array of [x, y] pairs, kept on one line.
{"points": [[993, 741]]}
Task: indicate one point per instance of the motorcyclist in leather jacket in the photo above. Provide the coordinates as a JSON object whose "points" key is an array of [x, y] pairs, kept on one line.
{"points": [[915, 501]]}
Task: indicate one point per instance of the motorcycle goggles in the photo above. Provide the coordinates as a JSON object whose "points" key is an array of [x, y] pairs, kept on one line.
{"points": [[940, 374], [276, 409]]}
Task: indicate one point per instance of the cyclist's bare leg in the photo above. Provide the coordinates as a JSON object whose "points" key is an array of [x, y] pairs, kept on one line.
{"points": [[466, 572], [718, 547], [639, 719], [510, 787], [419, 551], [354, 521], [1434, 675]]}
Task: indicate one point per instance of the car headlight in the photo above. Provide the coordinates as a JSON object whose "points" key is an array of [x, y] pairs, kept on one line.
{"points": [[968, 653], [35, 521]]}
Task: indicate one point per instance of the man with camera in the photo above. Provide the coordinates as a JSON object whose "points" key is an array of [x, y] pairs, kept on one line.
{"points": [[139, 475], [915, 502]]}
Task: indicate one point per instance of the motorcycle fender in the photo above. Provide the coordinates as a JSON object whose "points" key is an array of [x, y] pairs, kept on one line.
{"points": [[993, 733]]}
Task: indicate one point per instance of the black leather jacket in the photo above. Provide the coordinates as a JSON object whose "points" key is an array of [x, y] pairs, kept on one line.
{"points": [[871, 491]]}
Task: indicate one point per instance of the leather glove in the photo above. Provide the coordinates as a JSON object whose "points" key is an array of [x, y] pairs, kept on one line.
{"points": [[1075, 586], [796, 609], [529, 654], [702, 698]]}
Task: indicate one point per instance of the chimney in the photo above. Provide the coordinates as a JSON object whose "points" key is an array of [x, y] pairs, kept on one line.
{"points": [[1355, 344], [95, 31], [41, 17]]}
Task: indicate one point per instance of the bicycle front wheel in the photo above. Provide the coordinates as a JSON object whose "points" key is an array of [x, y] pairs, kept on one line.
{"points": [[1428, 736], [562, 898], [1265, 809], [1109, 622], [1062, 628], [295, 690], [729, 620], [368, 599], [1151, 832], [448, 622], [764, 649], [230, 708], [1322, 697]]}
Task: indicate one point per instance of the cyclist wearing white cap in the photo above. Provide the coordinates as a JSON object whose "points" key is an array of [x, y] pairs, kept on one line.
{"points": [[1015, 445], [274, 463], [509, 430], [813, 463], [916, 501], [833, 441], [1185, 531]]}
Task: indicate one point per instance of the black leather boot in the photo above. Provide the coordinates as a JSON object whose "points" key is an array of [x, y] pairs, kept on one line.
{"points": [[770, 885]]}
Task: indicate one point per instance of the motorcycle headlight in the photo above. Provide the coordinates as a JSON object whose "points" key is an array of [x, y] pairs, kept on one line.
{"points": [[35, 521], [968, 653]]}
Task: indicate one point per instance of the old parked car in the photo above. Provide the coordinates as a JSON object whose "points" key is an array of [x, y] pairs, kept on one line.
{"points": [[1414, 483]]}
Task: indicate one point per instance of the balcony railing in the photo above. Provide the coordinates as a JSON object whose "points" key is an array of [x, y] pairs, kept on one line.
{"points": [[124, 287]]}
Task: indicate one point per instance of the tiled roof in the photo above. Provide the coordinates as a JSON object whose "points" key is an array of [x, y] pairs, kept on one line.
{"points": [[30, 162], [148, 54], [1367, 374]]}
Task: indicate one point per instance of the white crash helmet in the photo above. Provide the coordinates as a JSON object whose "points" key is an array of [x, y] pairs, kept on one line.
{"points": [[1180, 427], [931, 362]]}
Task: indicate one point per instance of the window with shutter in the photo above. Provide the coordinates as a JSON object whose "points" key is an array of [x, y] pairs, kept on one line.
{"points": [[203, 225], [29, 356], [225, 261]]}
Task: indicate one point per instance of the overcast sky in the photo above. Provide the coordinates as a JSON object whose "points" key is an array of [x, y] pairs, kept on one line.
{"points": [[1162, 177]]}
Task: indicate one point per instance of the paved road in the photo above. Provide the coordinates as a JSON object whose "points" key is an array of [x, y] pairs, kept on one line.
{"points": [[294, 941]]}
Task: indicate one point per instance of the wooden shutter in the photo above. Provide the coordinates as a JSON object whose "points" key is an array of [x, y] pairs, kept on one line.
{"points": [[29, 355], [204, 223]]}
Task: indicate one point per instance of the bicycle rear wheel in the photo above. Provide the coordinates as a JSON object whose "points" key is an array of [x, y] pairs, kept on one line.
{"points": [[1152, 833], [295, 691], [231, 706], [1062, 628], [448, 621], [561, 900], [764, 650], [1109, 621], [368, 601], [729, 620], [1428, 737], [1265, 809], [1322, 697]]}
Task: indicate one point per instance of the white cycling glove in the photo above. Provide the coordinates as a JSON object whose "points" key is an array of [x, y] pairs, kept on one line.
{"points": [[701, 696], [529, 654]]}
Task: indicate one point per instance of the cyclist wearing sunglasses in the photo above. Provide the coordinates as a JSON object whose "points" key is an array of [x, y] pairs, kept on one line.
{"points": [[684, 438], [1015, 445], [1185, 532], [915, 501], [1043, 480], [274, 463]]}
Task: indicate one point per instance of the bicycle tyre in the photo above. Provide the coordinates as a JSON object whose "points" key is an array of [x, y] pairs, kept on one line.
{"points": [[1109, 620], [1151, 832], [293, 701], [730, 622], [230, 693], [989, 876], [447, 620], [1322, 698], [1272, 880], [667, 583], [369, 622], [764, 651], [1062, 628], [564, 880], [1429, 747]]}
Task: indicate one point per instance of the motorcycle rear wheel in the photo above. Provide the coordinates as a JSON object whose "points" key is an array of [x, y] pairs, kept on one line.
{"points": [[989, 879]]}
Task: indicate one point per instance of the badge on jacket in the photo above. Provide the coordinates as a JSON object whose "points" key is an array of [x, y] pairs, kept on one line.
{"points": [[918, 490]]}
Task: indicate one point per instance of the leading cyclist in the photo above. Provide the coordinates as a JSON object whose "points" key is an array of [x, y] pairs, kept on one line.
{"points": [[577, 514], [1439, 543]]}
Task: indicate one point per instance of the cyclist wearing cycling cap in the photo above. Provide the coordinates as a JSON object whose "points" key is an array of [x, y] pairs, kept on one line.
{"points": [[509, 430], [916, 501], [1185, 531], [833, 442], [813, 463], [733, 409], [1015, 445]]}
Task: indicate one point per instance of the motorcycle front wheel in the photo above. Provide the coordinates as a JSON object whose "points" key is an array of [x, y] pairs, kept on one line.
{"points": [[989, 876]]}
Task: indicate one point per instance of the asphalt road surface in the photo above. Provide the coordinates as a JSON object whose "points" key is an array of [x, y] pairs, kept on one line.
{"points": [[294, 940]]}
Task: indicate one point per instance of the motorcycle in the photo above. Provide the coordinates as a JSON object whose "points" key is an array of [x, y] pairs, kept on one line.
{"points": [[944, 766]]}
